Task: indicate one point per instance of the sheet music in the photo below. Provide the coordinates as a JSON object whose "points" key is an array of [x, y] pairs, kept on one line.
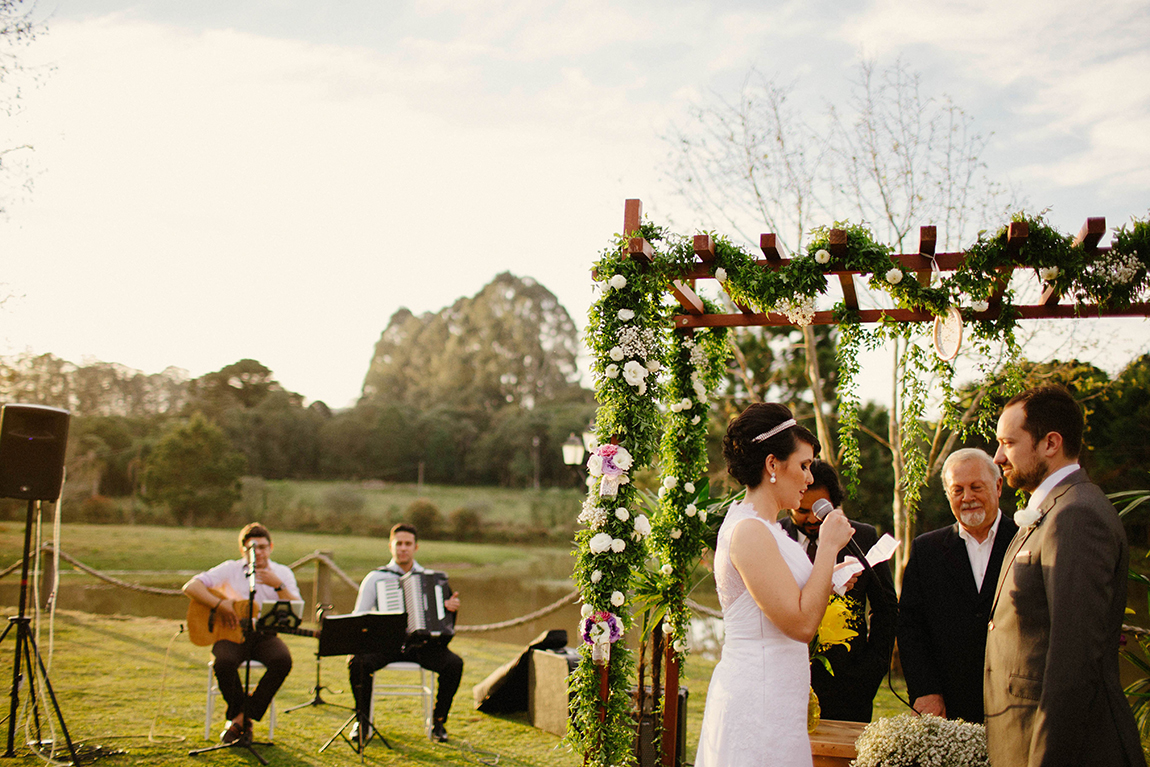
{"points": [[882, 550], [389, 596]]}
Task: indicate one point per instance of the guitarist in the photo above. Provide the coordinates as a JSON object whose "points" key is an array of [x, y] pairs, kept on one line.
{"points": [[219, 589]]}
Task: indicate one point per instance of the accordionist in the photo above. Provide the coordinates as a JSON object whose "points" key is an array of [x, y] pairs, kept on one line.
{"points": [[433, 655]]}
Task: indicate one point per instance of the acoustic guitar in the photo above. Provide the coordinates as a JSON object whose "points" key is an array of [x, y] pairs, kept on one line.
{"points": [[206, 628]]}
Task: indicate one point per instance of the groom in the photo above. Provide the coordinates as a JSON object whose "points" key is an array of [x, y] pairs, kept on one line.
{"points": [[1051, 684]]}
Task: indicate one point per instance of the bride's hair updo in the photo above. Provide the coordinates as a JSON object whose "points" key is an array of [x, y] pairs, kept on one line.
{"points": [[746, 457]]}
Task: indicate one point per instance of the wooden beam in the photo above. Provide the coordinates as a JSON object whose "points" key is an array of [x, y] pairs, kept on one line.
{"points": [[768, 245], [704, 247], [850, 298], [632, 216], [927, 239], [1091, 233], [640, 249], [838, 243], [687, 298]]}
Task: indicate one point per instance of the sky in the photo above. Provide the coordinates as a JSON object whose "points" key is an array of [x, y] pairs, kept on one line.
{"points": [[273, 179]]}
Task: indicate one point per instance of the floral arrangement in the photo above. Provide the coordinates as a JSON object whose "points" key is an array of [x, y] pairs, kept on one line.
{"points": [[909, 740], [610, 463], [600, 629], [838, 627]]}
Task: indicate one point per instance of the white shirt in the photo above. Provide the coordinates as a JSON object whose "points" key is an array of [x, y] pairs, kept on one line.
{"points": [[233, 573], [979, 553], [1048, 484]]}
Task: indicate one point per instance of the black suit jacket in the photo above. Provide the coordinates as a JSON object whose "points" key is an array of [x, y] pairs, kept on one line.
{"points": [[859, 667], [943, 616]]}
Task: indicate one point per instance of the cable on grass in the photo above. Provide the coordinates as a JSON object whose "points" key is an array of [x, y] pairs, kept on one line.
{"points": [[160, 703]]}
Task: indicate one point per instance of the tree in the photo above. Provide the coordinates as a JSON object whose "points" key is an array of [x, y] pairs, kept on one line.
{"points": [[195, 471], [893, 158], [17, 28]]}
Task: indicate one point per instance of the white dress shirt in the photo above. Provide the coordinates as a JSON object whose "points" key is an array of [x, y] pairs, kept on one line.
{"points": [[1048, 484], [979, 553]]}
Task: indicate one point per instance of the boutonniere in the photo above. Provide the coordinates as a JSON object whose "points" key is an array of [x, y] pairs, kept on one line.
{"points": [[1026, 517]]}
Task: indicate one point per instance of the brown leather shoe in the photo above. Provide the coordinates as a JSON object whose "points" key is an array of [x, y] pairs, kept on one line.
{"points": [[232, 732]]}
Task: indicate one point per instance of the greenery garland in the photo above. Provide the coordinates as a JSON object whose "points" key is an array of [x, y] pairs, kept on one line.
{"points": [[639, 362]]}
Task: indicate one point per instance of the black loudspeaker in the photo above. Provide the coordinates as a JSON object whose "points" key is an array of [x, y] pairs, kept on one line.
{"points": [[33, 439]]}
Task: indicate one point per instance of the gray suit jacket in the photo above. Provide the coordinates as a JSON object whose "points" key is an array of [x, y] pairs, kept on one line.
{"points": [[1051, 684]]}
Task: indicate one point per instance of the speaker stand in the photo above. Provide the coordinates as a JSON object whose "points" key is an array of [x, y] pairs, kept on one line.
{"points": [[26, 649]]}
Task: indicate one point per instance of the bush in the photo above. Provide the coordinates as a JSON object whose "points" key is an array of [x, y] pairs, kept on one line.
{"points": [[466, 523], [426, 517], [344, 501], [100, 510]]}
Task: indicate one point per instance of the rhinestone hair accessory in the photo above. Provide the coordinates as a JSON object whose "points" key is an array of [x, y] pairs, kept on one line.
{"points": [[768, 434]]}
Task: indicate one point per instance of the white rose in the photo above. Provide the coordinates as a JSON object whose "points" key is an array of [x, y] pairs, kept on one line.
{"points": [[1048, 273], [676, 533], [702, 515], [653, 366], [642, 525], [596, 576], [641, 389], [822, 256], [600, 543], [691, 510], [626, 315], [622, 515], [689, 487], [686, 404], [700, 389], [894, 276], [595, 465], [666, 569], [623, 459], [679, 645], [611, 371], [662, 491], [634, 373], [695, 421], [670, 482], [980, 306], [586, 610], [676, 407], [618, 545], [617, 598], [721, 274], [616, 353], [618, 282]]}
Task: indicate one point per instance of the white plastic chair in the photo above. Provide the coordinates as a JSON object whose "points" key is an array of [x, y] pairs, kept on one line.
{"points": [[424, 689], [213, 688]]}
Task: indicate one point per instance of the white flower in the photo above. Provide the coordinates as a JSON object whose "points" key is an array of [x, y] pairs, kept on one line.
{"points": [[822, 256], [700, 389], [612, 371], [586, 610], [595, 465], [1026, 517], [691, 510], [626, 315], [686, 404], [695, 421], [680, 645], [596, 576], [642, 525], [702, 515], [980, 306], [1048, 273], [634, 373], [670, 482], [593, 516], [617, 598], [618, 282], [894, 276], [689, 487], [623, 459], [721, 274], [653, 366], [676, 533], [600, 543], [622, 515], [662, 491], [617, 353], [676, 407], [618, 545], [666, 569]]}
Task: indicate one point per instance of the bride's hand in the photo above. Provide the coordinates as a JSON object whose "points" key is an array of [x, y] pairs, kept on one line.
{"points": [[835, 530]]}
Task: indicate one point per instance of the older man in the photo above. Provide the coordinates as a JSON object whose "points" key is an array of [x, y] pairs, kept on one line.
{"points": [[947, 590], [1051, 686]]}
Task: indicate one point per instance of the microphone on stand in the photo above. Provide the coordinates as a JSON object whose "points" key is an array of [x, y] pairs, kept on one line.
{"points": [[820, 509]]}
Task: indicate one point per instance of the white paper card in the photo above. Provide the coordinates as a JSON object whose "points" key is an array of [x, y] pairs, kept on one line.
{"points": [[882, 550]]}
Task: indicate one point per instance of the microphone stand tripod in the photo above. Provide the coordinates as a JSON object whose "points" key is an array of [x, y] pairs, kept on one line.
{"points": [[317, 698], [245, 739], [25, 649]]}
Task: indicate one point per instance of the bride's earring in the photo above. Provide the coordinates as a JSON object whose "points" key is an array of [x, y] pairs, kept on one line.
{"points": [[772, 479]]}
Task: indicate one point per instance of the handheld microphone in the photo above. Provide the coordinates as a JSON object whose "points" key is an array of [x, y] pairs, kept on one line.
{"points": [[820, 509]]}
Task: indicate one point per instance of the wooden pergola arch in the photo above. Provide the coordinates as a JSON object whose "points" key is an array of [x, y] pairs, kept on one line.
{"points": [[921, 263]]}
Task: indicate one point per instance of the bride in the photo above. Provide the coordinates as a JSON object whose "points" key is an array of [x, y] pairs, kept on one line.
{"points": [[773, 598]]}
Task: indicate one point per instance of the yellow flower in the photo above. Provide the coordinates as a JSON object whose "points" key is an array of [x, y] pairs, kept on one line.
{"points": [[835, 627]]}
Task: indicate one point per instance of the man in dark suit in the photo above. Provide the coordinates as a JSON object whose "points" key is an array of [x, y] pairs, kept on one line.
{"points": [[859, 667], [1051, 685], [947, 590]]}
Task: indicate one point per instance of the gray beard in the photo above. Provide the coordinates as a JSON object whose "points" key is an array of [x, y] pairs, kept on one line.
{"points": [[972, 518]]}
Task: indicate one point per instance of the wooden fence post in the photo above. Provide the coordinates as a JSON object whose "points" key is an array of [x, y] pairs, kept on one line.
{"points": [[47, 576], [321, 589]]}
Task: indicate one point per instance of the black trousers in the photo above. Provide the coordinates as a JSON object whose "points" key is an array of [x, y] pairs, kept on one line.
{"points": [[439, 659], [269, 650]]}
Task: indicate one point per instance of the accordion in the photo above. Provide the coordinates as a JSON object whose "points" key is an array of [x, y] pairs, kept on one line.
{"points": [[421, 597]]}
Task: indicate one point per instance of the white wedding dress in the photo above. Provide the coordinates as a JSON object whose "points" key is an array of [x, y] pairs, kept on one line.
{"points": [[756, 711]]}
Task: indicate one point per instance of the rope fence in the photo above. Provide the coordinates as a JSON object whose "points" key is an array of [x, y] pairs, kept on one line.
{"points": [[321, 558]]}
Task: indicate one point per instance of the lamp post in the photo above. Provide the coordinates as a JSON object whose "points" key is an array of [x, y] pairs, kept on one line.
{"points": [[573, 454]]}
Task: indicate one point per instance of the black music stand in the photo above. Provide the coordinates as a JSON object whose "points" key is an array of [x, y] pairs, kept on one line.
{"points": [[354, 634], [317, 698], [249, 627]]}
